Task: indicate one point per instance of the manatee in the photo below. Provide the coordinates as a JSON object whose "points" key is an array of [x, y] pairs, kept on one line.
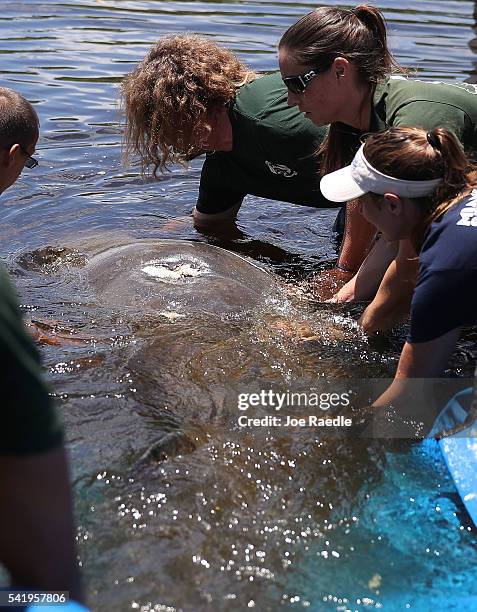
{"points": [[145, 281], [206, 325], [152, 420]]}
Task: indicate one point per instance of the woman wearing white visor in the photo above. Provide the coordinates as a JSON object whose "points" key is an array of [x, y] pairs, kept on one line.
{"points": [[418, 188]]}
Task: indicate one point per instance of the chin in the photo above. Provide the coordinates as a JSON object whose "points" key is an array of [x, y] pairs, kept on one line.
{"points": [[316, 120], [388, 237]]}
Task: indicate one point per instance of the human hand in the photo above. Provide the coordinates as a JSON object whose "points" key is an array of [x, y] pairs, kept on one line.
{"points": [[299, 330], [368, 323], [326, 285], [345, 294], [176, 224]]}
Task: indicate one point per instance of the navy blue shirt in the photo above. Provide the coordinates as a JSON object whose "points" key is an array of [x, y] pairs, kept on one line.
{"points": [[445, 296]]}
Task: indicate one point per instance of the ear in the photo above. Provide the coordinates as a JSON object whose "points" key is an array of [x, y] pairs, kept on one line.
{"points": [[340, 67], [394, 203], [10, 155]]}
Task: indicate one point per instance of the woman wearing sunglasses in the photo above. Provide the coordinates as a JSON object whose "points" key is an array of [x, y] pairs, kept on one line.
{"points": [[417, 185], [337, 67], [190, 96]]}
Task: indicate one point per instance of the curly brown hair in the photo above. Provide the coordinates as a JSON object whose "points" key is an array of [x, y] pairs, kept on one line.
{"points": [[168, 99]]}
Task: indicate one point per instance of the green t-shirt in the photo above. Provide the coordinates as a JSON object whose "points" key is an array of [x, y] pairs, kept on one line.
{"points": [[428, 104], [273, 154], [29, 422]]}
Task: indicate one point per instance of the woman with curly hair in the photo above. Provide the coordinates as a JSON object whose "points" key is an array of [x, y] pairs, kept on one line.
{"points": [[190, 96]]}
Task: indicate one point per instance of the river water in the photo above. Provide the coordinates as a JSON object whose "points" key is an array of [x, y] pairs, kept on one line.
{"points": [[238, 519]]}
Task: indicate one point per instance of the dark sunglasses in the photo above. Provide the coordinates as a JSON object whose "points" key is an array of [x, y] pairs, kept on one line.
{"points": [[30, 161], [298, 84]]}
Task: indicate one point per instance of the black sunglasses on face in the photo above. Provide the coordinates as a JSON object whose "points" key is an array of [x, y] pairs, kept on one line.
{"points": [[30, 161], [298, 84]]}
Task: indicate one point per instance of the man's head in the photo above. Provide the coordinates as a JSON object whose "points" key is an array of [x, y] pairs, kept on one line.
{"points": [[19, 131]]}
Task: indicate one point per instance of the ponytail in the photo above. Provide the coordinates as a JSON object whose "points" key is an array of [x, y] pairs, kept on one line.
{"points": [[459, 176], [373, 19]]}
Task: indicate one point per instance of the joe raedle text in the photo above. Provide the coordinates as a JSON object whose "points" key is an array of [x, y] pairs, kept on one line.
{"points": [[292, 421]]}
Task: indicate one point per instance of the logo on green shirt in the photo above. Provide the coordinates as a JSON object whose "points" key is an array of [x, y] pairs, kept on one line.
{"points": [[281, 169]]}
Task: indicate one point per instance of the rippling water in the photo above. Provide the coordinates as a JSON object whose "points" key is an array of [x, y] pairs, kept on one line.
{"points": [[246, 520]]}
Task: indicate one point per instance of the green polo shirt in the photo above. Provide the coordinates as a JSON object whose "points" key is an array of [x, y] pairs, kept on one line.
{"points": [[29, 421], [428, 104], [273, 153]]}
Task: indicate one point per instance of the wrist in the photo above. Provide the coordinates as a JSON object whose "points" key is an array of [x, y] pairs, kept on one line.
{"points": [[339, 266]]}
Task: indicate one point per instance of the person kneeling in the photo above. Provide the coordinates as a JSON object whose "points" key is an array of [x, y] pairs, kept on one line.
{"points": [[418, 188]]}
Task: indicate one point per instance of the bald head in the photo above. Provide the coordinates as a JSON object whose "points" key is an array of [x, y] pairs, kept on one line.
{"points": [[19, 122]]}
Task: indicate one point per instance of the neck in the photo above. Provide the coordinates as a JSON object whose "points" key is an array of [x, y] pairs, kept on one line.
{"points": [[223, 137], [357, 113]]}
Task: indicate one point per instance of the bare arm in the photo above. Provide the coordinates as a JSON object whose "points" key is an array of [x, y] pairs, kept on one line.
{"points": [[365, 283], [411, 394], [394, 295], [37, 530], [357, 240]]}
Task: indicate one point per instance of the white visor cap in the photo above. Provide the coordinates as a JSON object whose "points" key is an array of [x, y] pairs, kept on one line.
{"points": [[360, 177]]}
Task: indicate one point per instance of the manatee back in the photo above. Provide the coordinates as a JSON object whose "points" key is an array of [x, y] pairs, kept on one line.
{"points": [[177, 276]]}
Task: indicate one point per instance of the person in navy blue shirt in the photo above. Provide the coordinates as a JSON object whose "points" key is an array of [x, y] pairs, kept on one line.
{"points": [[445, 297], [419, 189]]}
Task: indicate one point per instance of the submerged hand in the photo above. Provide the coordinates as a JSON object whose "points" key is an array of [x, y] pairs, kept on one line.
{"points": [[346, 293], [176, 224], [327, 284]]}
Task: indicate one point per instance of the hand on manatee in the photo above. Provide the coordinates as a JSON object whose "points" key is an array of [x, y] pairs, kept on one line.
{"points": [[176, 224], [299, 330], [304, 331], [345, 294], [328, 283]]}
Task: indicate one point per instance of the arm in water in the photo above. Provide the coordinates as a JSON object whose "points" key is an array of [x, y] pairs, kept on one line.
{"points": [[364, 285], [411, 396], [357, 240], [216, 223], [394, 295]]}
